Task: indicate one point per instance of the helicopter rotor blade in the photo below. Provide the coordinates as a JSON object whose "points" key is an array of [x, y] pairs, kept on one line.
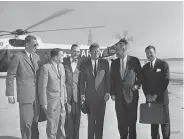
{"points": [[5, 34], [57, 14], [67, 29]]}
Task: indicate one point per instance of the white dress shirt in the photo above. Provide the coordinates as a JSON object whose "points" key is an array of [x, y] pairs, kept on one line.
{"points": [[93, 63], [153, 63], [28, 54], [73, 64], [56, 66]]}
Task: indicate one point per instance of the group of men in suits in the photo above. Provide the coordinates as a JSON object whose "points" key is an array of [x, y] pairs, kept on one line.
{"points": [[61, 87]]}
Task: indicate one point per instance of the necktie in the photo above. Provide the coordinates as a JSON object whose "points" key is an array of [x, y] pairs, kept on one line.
{"points": [[31, 59], [151, 66], [58, 69], [122, 69], [95, 71]]}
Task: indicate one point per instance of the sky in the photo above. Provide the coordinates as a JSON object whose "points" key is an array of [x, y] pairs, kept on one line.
{"points": [[151, 23]]}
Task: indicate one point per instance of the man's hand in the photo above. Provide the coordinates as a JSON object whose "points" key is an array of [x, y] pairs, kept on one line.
{"points": [[106, 97], [153, 98], [148, 98], [83, 98], [65, 101], [11, 99], [113, 97], [44, 107], [135, 87]]}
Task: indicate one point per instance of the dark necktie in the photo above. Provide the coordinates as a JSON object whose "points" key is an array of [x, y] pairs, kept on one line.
{"points": [[58, 69], [151, 66], [31, 59], [95, 71]]}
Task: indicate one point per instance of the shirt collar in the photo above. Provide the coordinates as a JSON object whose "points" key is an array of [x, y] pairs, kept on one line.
{"points": [[92, 60], [153, 62], [55, 64], [28, 54], [71, 60]]}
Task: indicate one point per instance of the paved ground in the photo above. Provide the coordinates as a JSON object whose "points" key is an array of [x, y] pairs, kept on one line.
{"points": [[9, 117]]}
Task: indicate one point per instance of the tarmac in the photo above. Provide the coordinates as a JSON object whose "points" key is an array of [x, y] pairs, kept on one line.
{"points": [[9, 117]]}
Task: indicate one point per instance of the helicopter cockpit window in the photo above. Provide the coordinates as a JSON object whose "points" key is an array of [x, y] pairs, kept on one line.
{"points": [[16, 42]]}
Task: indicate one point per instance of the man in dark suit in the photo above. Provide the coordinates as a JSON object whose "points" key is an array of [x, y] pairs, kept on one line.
{"points": [[126, 78], [95, 88], [156, 74], [24, 67], [73, 113]]}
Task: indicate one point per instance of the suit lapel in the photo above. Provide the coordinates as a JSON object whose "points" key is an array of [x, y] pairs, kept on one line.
{"points": [[54, 69], [28, 60], [68, 63], [91, 67]]}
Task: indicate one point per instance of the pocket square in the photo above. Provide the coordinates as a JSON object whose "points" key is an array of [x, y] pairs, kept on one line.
{"points": [[158, 70]]}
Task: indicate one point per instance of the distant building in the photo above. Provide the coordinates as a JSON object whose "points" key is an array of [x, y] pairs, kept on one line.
{"points": [[90, 39]]}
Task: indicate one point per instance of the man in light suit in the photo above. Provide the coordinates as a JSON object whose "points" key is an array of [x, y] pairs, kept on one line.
{"points": [[52, 94], [94, 89], [24, 66], [72, 70], [126, 78], [156, 73]]}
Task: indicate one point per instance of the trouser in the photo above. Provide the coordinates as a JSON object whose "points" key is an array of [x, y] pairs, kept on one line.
{"points": [[127, 117], [28, 124], [72, 120], [164, 127], [96, 121], [55, 123]]}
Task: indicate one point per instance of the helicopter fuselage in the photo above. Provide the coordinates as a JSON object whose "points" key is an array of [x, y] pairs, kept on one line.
{"points": [[43, 50]]}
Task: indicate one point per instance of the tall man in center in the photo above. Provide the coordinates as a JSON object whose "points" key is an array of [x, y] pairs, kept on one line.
{"points": [[94, 89], [73, 113], [126, 78]]}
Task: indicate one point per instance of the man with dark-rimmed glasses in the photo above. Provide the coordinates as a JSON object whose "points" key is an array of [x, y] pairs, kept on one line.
{"points": [[24, 67]]}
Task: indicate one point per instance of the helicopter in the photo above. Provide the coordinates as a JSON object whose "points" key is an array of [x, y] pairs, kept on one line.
{"points": [[11, 45]]}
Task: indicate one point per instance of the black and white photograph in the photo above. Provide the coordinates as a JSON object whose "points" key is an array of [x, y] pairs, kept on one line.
{"points": [[91, 70]]}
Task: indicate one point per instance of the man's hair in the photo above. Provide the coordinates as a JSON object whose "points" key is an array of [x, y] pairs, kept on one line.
{"points": [[92, 46], [55, 52], [29, 38], [150, 47], [74, 45]]}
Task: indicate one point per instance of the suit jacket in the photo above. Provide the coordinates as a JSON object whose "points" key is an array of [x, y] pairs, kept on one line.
{"points": [[26, 74], [95, 88], [52, 89], [156, 82], [132, 76], [72, 80]]}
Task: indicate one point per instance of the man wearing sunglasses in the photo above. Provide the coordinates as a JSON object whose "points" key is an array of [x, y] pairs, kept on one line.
{"points": [[24, 67]]}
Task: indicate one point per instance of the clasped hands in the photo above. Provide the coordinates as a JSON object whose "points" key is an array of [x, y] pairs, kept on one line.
{"points": [[106, 98], [151, 98]]}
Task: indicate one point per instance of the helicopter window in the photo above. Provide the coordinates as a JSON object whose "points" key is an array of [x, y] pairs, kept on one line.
{"points": [[16, 42]]}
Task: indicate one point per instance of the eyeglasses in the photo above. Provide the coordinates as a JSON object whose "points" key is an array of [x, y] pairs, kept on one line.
{"points": [[35, 45]]}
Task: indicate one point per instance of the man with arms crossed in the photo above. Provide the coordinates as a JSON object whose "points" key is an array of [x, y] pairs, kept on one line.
{"points": [[24, 66], [95, 88], [156, 73], [52, 94]]}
